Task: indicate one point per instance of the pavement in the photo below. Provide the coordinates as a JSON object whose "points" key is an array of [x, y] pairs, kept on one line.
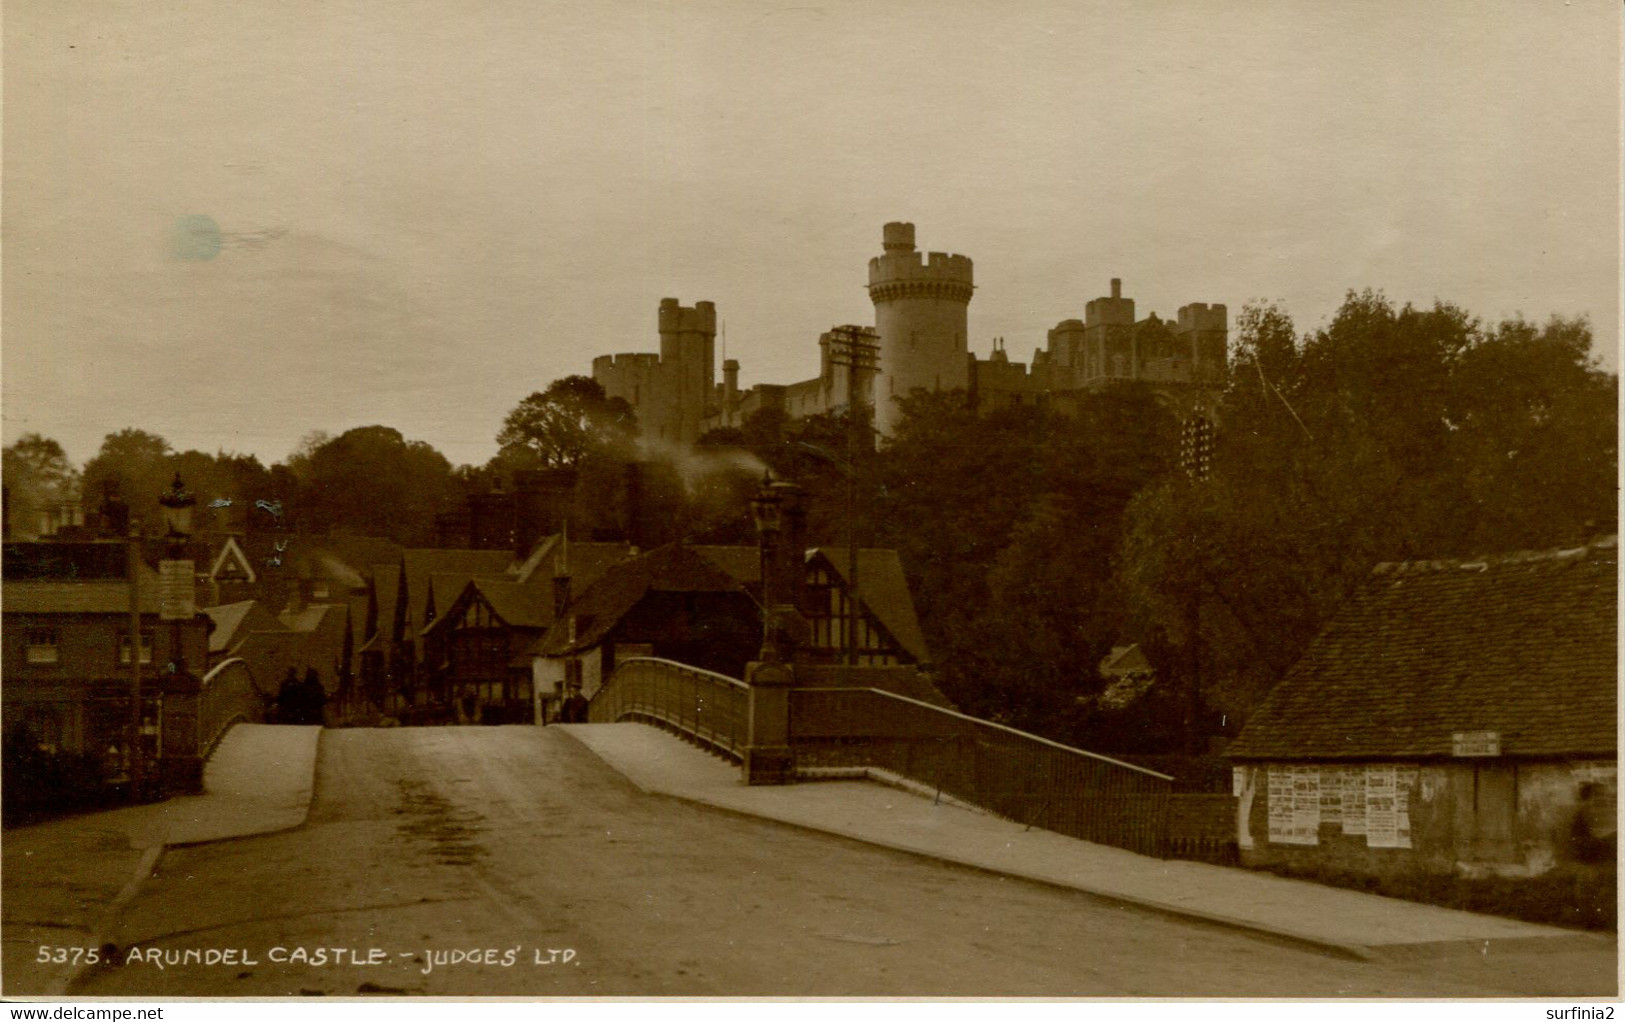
{"points": [[67, 880], [1330, 919], [82, 871]]}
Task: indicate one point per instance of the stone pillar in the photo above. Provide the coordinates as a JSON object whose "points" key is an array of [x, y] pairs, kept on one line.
{"points": [[768, 759], [180, 751]]}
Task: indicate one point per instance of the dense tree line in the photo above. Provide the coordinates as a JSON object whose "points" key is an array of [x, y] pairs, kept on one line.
{"points": [[1036, 541]]}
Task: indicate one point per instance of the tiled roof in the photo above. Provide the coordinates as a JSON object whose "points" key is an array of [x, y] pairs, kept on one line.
{"points": [[883, 589], [671, 568], [421, 565], [744, 563], [234, 620], [518, 604], [1524, 645], [386, 579]]}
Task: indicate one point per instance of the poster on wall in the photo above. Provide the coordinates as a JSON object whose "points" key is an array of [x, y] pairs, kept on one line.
{"points": [[1280, 804], [1354, 800], [1405, 778], [1331, 794], [1381, 823], [1306, 805]]}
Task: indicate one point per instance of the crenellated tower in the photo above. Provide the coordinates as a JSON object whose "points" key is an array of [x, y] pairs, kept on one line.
{"points": [[687, 344], [921, 308]]}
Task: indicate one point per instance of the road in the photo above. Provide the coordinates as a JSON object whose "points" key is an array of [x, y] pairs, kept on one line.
{"points": [[512, 862]]}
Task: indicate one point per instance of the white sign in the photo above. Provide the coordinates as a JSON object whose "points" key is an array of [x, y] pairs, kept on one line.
{"points": [[1381, 823], [1475, 743], [177, 592], [1354, 800]]}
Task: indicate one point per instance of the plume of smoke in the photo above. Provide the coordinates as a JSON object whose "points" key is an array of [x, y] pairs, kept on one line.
{"points": [[339, 571], [693, 465]]}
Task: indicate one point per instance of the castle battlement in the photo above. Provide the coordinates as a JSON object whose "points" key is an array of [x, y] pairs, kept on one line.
{"points": [[1202, 316], [676, 318], [625, 360], [912, 266]]}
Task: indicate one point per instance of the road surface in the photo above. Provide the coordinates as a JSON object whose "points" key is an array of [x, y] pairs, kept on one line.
{"points": [[512, 862]]}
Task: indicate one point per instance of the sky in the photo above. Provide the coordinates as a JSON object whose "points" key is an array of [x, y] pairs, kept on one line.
{"points": [[232, 224]]}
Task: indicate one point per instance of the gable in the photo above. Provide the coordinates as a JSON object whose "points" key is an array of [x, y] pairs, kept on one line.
{"points": [[232, 564]]}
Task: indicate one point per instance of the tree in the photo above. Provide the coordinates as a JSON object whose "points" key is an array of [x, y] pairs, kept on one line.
{"points": [[1390, 434], [372, 481], [37, 475], [559, 426], [138, 464]]}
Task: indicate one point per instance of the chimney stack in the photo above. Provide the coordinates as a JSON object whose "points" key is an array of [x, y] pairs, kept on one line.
{"points": [[1117, 287], [542, 500]]}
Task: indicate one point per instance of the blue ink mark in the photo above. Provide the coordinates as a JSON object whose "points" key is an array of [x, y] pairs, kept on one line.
{"points": [[281, 546], [222, 502], [273, 562], [195, 238], [274, 507]]}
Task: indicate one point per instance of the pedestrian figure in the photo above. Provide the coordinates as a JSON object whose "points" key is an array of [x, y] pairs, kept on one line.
{"points": [[288, 699], [574, 710], [315, 698]]}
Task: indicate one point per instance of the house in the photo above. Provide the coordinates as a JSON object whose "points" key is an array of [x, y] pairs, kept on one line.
{"points": [[671, 602], [234, 622], [470, 648], [1128, 675], [1453, 717], [700, 605], [67, 649]]}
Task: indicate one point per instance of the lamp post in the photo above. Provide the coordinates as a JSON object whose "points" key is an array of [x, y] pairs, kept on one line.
{"points": [[177, 506], [780, 521], [767, 508], [177, 604]]}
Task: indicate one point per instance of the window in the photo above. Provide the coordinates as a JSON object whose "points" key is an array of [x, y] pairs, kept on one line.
{"points": [[124, 647], [42, 646]]}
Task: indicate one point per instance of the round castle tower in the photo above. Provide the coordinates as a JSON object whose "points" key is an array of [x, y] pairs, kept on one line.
{"points": [[920, 314]]}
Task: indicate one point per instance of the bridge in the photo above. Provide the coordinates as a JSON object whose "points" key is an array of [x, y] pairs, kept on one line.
{"points": [[395, 854], [867, 732]]}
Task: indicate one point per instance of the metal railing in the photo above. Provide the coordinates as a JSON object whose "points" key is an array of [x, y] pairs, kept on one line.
{"points": [[1010, 773], [711, 709], [228, 695]]}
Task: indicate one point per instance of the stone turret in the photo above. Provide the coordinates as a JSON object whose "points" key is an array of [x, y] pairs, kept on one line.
{"points": [[1204, 331], [921, 308], [1108, 326], [687, 355]]}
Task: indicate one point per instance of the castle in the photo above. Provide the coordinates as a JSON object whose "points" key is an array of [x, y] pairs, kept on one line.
{"points": [[921, 308]]}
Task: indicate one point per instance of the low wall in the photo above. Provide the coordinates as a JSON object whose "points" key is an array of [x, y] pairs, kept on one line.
{"points": [[1202, 827]]}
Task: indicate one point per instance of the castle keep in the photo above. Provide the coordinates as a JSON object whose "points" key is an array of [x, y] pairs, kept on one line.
{"points": [[672, 392], [921, 305]]}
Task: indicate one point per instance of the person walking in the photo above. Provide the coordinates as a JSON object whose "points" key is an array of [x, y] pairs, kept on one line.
{"points": [[574, 710]]}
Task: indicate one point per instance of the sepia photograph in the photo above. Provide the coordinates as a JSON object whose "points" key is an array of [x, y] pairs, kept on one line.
{"points": [[553, 500]]}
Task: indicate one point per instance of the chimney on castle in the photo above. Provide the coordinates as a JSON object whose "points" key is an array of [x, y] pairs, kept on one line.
{"points": [[1117, 287]]}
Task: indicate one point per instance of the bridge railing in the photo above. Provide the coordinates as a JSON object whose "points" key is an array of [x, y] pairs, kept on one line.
{"points": [[711, 709], [228, 695], [1019, 776]]}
